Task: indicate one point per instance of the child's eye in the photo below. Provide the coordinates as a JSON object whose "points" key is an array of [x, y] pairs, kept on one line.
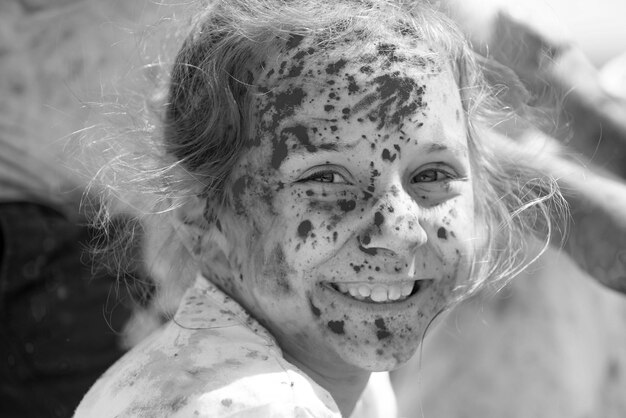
{"points": [[430, 175], [326, 177]]}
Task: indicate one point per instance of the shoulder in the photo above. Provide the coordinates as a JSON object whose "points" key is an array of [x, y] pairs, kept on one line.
{"points": [[227, 371]]}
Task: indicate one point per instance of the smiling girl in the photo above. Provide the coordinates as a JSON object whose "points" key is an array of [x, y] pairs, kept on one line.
{"points": [[334, 195]]}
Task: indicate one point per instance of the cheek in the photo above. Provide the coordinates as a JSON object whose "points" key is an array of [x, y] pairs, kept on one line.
{"points": [[455, 227], [315, 227]]}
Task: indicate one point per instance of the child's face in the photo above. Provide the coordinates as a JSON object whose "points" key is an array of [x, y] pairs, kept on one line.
{"points": [[354, 202]]}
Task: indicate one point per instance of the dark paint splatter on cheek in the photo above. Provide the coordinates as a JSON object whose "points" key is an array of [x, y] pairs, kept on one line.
{"points": [[281, 275], [442, 233], [304, 228], [346, 205], [378, 219], [336, 327], [386, 155]]}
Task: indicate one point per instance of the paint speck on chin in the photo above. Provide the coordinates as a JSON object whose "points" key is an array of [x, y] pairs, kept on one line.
{"points": [[442, 233], [336, 327], [382, 331]]}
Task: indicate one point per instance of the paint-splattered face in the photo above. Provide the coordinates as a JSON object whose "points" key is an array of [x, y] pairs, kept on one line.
{"points": [[354, 201]]}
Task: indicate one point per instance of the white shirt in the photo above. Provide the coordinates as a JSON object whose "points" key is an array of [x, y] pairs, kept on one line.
{"points": [[215, 360]]}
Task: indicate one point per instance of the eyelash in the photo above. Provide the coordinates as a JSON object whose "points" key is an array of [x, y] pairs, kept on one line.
{"points": [[446, 176], [320, 174]]}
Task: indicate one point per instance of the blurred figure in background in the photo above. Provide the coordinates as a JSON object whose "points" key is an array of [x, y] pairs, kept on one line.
{"points": [[60, 318]]}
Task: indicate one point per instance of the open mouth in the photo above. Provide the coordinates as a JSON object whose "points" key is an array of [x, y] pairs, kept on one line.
{"points": [[378, 292]]}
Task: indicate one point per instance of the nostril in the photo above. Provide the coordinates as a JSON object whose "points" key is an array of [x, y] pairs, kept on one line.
{"points": [[363, 241]]}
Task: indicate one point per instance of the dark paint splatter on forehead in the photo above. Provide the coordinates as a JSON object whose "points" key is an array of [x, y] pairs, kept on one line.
{"points": [[335, 67], [401, 97], [279, 106], [294, 41], [300, 135], [389, 52]]}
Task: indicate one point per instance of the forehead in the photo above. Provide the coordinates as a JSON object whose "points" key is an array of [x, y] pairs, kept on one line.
{"points": [[310, 57], [349, 74], [331, 91]]}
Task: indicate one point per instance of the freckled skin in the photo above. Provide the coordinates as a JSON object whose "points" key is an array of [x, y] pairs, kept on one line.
{"points": [[369, 160]]}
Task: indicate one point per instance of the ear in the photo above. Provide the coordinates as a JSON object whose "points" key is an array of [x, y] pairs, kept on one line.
{"points": [[191, 225]]}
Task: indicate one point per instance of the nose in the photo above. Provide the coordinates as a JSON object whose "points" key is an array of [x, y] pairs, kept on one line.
{"points": [[393, 225]]}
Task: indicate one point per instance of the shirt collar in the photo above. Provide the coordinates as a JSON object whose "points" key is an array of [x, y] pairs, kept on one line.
{"points": [[205, 306]]}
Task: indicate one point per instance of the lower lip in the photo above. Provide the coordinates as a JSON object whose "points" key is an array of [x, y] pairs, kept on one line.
{"points": [[326, 294]]}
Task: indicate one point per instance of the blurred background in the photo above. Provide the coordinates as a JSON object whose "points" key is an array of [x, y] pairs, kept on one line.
{"points": [[553, 344]]}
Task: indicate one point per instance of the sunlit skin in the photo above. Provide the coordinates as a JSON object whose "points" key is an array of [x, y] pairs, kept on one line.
{"points": [[357, 173]]}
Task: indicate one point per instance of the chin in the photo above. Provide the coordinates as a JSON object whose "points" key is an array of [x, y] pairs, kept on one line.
{"points": [[382, 358]]}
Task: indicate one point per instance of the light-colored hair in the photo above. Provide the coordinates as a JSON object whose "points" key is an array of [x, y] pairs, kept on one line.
{"points": [[201, 125]]}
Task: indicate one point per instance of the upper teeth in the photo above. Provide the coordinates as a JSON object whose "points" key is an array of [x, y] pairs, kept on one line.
{"points": [[377, 292]]}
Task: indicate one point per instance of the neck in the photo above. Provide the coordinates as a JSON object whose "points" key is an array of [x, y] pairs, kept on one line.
{"points": [[345, 386]]}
